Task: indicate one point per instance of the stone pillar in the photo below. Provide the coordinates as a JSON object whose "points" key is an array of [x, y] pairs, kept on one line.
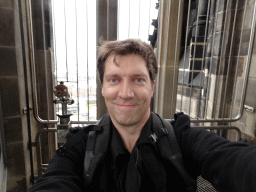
{"points": [[13, 92], [168, 66], [106, 31]]}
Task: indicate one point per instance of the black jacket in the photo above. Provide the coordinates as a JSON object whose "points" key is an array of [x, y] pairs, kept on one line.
{"points": [[228, 166]]}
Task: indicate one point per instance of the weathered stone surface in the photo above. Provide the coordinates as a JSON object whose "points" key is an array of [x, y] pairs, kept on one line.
{"points": [[10, 96]]}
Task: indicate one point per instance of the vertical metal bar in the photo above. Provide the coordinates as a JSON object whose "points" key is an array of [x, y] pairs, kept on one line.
{"points": [[118, 18], [249, 55], [77, 66], [185, 53], [32, 66], [212, 48], [149, 13], [107, 19], [228, 134], [203, 56], [39, 154], [45, 60], [66, 39], [55, 47], [129, 19], [229, 59], [216, 91], [21, 14], [194, 54], [139, 20], [237, 63], [175, 57], [54, 38], [88, 56]]}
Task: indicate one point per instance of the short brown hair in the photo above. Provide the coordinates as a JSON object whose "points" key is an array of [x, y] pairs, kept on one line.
{"points": [[125, 47]]}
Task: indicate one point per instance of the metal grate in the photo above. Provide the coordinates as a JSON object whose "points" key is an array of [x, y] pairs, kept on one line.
{"points": [[212, 79], [204, 186], [75, 36], [210, 53]]}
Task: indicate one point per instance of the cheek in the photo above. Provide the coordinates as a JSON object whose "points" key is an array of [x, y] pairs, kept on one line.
{"points": [[109, 93]]}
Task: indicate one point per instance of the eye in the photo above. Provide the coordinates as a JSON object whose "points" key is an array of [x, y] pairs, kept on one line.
{"points": [[113, 80], [139, 80]]}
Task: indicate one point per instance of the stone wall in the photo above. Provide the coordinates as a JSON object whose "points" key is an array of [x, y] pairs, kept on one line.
{"points": [[224, 67], [20, 126], [12, 89]]}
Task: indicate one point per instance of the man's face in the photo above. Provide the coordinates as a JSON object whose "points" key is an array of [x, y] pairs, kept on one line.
{"points": [[127, 89]]}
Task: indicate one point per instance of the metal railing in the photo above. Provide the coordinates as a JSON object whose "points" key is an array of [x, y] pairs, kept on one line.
{"points": [[204, 93], [224, 131], [211, 79]]}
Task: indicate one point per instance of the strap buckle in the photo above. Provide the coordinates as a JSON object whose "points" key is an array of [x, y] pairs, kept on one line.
{"points": [[153, 138]]}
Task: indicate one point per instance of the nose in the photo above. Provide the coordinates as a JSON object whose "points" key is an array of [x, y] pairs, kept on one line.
{"points": [[126, 90]]}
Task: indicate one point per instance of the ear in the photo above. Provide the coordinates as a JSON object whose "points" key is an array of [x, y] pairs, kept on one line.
{"points": [[102, 91], [153, 87]]}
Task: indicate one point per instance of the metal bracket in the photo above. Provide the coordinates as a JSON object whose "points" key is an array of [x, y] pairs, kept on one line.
{"points": [[249, 109], [25, 110]]}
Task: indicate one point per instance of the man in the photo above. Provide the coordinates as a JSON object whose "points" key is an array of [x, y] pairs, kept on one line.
{"points": [[125, 157]]}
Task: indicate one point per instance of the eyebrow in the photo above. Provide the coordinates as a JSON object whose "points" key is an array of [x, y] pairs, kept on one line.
{"points": [[118, 75]]}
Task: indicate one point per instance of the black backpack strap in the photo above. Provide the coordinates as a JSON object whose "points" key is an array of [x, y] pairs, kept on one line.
{"points": [[169, 148], [89, 154], [96, 148]]}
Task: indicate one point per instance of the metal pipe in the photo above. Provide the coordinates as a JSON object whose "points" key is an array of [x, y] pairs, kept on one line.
{"points": [[77, 66], [66, 39], [248, 61], [223, 120], [32, 65], [54, 37], [83, 122], [237, 63], [129, 19], [88, 101], [139, 20], [45, 60], [3, 154], [38, 147], [26, 93], [118, 19], [42, 166], [149, 16], [107, 20]]}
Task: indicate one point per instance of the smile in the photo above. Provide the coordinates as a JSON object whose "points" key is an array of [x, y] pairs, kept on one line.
{"points": [[125, 106]]}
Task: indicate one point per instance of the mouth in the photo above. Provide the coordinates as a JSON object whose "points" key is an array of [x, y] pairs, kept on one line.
{"points": [[126, 106]]}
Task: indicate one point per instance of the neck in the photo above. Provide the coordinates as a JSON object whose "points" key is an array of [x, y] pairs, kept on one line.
{"points": [[130, 134]]}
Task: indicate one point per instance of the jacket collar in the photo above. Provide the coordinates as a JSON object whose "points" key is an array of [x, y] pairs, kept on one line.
{"points": [[117, 145]]}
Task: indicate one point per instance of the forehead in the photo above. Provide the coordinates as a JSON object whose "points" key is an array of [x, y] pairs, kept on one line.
{"points": [[131, 63]]}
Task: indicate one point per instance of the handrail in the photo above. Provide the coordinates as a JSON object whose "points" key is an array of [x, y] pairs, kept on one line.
{"points": [[42, 167]]}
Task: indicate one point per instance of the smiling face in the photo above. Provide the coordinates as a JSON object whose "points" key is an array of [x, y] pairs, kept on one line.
{"points": [[127, 89]]}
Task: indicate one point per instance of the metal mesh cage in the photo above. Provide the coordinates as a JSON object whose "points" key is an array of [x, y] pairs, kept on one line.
{"points": [[204, 186]]}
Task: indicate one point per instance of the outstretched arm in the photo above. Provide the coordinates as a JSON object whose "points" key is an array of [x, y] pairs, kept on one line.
{"points": [[65, 169], [228, 166]]}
